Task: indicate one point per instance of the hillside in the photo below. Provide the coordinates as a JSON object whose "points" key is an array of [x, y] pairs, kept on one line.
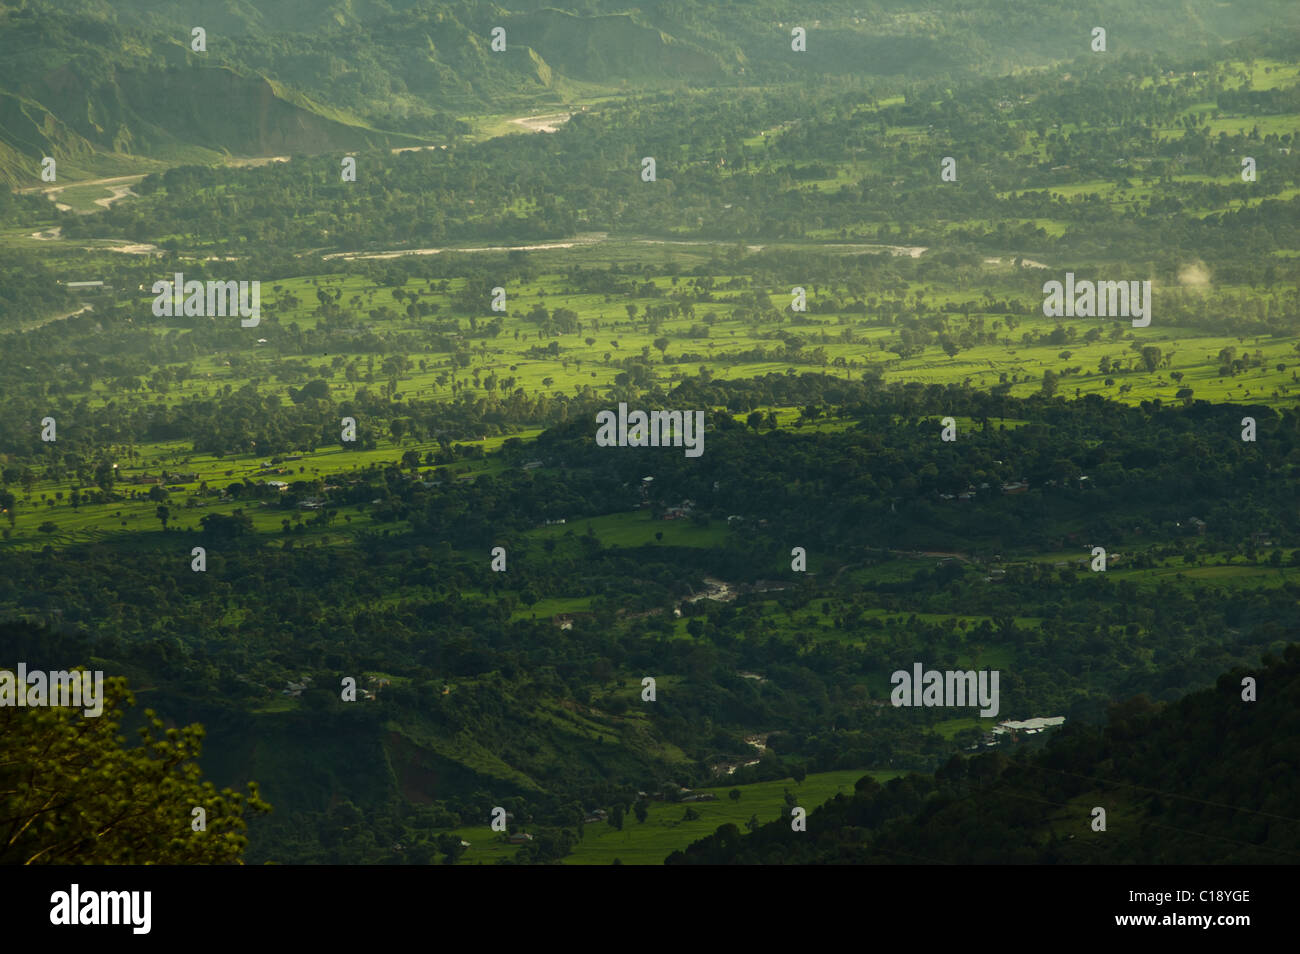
{"points": [[1209, 779], [478, 694], [983, 350], [285, 76], [94, 96]]}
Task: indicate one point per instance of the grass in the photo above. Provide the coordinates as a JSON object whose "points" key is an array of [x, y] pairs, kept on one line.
{"points": [[664, 831], [858, 342], [638, 529], [949, 728], [585, 365]]}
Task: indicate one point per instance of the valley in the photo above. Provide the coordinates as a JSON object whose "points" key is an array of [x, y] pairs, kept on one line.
{"points": [[862, 270]]}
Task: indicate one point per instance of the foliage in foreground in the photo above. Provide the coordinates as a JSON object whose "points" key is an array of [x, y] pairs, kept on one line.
{"points": [[71, 792]]}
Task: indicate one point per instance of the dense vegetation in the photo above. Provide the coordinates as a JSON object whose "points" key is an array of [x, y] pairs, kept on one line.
{"points": [[1208, 778], [69, 794], [437, 620], [182, 505]]}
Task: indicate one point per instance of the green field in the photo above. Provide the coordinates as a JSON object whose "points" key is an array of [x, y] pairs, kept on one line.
{"points": [[664, 831]]}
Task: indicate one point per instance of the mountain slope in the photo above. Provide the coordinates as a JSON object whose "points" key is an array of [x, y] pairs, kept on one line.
{"points": [[28, 132], [1210, 779], [298, 76]]}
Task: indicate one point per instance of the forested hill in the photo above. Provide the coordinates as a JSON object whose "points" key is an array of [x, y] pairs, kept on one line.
{"points": [[93, 82], [1209, 779]]}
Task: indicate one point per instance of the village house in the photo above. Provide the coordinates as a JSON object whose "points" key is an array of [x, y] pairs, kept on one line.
{"points": [[681, 511], [295, 689], [1012, 727]]}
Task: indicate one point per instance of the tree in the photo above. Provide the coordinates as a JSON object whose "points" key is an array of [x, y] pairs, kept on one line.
{"points": [[316, 390], [217, 526], [48, 527], [734, 794], [163, 514], [451, 848], [641, 809], [662, 344], [105, 474], [71, 793], [616, 817]]}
